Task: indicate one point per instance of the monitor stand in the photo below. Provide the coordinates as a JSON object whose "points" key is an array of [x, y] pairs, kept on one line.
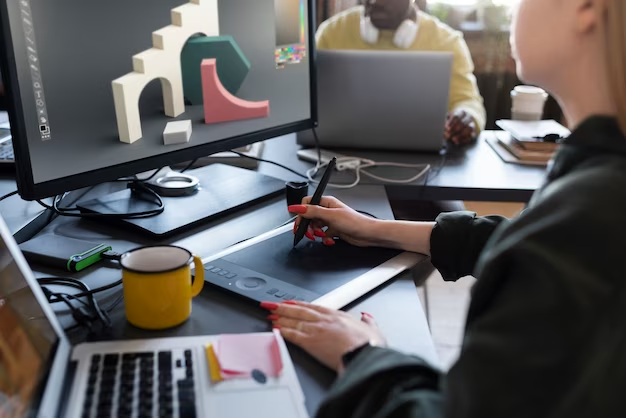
{"points": [[221, 189]]}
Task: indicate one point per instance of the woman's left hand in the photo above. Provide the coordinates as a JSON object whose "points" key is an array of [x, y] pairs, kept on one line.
{"points": [[324, 333]]}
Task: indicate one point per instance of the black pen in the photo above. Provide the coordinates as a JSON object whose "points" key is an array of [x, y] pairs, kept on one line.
{"points": [[315, 200]]}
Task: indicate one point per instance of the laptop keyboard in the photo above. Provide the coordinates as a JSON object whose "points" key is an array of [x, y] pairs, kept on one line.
{"points": [[6, 147], [151, 384]]}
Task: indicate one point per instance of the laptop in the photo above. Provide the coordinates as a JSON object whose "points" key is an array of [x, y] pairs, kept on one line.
{"points": [[165, 377], [381, 100], [7, 158]]}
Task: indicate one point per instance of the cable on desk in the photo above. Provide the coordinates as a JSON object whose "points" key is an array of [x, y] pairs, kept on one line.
{"points": [[6, 196], [135, 178], [117, 301], [360, 164], [284, 167], [135, 186], [188, 166], [437, 171], [84, 316]]}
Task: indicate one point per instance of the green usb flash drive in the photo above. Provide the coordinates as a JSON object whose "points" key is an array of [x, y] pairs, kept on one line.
{"points": [[80, 262]]}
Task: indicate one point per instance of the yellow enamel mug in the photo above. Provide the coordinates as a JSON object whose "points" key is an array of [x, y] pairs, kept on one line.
{"points": [[158, 285]]}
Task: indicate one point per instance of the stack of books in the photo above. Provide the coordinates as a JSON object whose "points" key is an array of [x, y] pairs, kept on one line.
{"points": [[528, 143], [528, 150]]}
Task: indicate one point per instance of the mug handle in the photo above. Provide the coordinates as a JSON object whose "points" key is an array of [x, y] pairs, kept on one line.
{"points": [[198, 281]]}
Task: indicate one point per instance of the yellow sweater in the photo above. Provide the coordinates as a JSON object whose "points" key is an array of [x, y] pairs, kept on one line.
{"points": [[342, 31]]}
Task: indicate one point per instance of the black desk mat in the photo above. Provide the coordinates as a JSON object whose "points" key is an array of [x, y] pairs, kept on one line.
{"points": [[273, 269]]}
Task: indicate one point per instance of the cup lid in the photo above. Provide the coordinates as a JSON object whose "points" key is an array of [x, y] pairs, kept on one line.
{"points": [[532, 91]]}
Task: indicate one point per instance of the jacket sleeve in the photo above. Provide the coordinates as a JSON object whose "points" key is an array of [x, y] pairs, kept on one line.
{"points": [[464, 94], [380, 382], [457, 241]]}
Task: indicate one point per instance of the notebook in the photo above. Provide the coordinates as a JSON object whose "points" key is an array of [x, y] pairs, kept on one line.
{"points": [[230, 375]]}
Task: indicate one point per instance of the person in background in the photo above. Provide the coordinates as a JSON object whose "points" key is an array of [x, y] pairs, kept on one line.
{"points": [[545, 333], [399, 25]]}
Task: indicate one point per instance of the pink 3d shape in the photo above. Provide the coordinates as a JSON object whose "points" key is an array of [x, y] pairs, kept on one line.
{"points": [[220, 105]]}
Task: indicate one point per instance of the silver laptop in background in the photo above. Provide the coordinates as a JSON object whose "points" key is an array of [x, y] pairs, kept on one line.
{"points": [[385, 100], [164, 377]]}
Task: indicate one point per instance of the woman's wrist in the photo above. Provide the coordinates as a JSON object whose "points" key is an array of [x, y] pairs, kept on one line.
{"points": [[347, 357], [402, 235]]}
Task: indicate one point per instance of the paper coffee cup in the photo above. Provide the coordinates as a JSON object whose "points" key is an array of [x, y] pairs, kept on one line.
{"points": [[527, 103]]}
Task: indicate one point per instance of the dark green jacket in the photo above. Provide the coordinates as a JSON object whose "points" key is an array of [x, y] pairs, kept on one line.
{"points": [[546, 330]]}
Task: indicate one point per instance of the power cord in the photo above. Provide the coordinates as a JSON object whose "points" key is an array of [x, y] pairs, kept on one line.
{"points": [[188, 166], [359, 165], [136, 186], [6, 196], [284, 167], [90, 312], [137, 179], [437, 171]]}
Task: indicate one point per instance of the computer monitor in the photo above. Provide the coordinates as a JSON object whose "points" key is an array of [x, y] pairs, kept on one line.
{"points": [[92, 86]]}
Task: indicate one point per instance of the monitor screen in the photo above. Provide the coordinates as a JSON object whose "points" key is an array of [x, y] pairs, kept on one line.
{"points": [[95, 84], [27, 341]]}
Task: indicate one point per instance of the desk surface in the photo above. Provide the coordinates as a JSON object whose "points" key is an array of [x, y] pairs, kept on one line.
{"points": [[473, 173], [395, 306]]}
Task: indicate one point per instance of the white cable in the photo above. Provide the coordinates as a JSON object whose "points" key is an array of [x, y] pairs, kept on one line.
{"points": [[362, 165]]}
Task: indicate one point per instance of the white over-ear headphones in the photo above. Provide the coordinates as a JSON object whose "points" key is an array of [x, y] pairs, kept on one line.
{"points": [[403, 38]]}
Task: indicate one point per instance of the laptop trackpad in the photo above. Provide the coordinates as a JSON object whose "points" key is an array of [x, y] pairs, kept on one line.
{"points": [[273, 402]]}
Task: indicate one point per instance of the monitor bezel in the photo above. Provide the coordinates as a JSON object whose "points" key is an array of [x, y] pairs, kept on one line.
{"points": [[29, 190]]}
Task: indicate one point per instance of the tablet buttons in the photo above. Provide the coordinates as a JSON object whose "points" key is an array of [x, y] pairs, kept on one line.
{"points": [[250, 283]]}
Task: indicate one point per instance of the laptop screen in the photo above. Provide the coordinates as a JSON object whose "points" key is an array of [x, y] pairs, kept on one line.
{"points": [[27, 341]]}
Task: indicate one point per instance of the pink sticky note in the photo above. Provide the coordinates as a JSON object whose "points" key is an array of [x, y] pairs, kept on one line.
{"points": [[239, 354]]}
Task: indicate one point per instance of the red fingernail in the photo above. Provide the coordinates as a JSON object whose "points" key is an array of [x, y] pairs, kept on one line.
{"points": [[270, 306], [290, 302], [295, 227], [273, 317], [319, 233], [309, 236], [329, 242], [299, 209], [367, 315]]}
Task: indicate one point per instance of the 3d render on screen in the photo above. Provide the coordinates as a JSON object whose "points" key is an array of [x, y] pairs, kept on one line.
{"points": [[161, 61], [232, 65], [220, 105], [178, 132]]}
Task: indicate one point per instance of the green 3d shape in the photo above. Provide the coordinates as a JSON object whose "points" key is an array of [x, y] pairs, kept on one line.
{"points": [[232, 64]]}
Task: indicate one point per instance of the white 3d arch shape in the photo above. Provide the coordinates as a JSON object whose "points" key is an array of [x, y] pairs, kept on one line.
{"points": [[162, 62]]}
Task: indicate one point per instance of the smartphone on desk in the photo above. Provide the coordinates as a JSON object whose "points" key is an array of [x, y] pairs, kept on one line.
{"points": [[63, 253]]}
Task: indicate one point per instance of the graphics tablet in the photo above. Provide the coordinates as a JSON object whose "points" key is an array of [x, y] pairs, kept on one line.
{"points": [[269, 268]]}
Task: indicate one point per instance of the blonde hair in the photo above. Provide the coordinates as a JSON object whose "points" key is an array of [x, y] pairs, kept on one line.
{"points": [[616, 55]]}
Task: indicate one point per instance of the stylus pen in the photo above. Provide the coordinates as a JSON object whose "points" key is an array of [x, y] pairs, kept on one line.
{"points": [[315, 200]]}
